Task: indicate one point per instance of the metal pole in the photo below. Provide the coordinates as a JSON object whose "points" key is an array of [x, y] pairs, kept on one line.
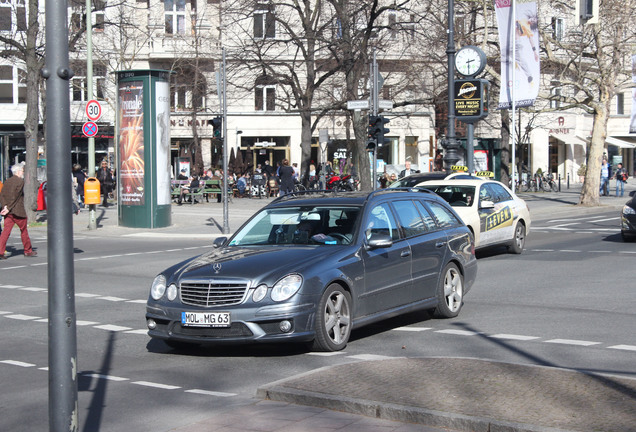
{"points": [[512, 65], [451, 155], [92, 220], [470, 146], [226, 225], [374, 110], [63, 415]]}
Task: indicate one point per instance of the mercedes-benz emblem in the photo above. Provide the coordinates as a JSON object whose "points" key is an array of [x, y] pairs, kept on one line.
{"points": [[216, 267]]}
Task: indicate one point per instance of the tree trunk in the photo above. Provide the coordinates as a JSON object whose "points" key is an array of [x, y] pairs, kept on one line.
{"points": [[590, 194]]}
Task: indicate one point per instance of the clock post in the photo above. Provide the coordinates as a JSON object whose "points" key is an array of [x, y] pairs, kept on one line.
{"points": [[471, 95]]}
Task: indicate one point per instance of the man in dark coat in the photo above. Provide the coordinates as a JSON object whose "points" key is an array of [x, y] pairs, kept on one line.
{"points": [[12, 202], [105, 177]]}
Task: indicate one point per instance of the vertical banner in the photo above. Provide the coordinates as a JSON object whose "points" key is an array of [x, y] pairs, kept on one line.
{"points": [[526, 58], [632, 123], [131, 143], [162, 154]]}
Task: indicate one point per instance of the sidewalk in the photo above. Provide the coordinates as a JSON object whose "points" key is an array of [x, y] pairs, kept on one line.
{"points": [[410, 394]]}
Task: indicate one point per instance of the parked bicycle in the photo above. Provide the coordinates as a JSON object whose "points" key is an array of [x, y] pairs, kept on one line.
{"points": [[548, 184]]}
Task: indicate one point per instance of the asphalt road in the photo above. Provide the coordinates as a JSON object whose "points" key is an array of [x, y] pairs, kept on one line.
{"points": [[567, 301]]}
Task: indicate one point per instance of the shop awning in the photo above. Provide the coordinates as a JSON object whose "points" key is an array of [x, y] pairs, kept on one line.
{"points": [[620, 143], [569, 139]]}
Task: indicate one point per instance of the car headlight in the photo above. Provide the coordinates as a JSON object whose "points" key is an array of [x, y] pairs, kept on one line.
{"points": [[259, 293], [171, 292], [628, 210], [286, 287], [158, 287]]}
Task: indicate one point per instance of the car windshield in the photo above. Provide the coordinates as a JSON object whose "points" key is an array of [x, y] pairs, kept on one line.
{"points": [[313, 225], [455, 195]]}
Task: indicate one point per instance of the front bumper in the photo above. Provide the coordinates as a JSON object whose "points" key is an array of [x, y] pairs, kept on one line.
{"points": [[628, 225], [262, 324]]}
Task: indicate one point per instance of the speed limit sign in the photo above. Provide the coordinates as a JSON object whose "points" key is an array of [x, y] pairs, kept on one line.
{"points": [[93, 110]]}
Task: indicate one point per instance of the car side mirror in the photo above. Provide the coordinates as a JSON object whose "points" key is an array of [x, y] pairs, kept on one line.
{"points": [[378, 241], [485, 204], [218, 242]]}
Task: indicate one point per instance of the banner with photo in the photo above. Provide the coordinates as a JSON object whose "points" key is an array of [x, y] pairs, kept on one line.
{"points": [[632, 122], [526, 57], [131, 143]]}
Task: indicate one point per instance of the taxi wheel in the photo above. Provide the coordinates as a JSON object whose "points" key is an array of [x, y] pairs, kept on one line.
{"points": [[333, 319], [519, 239], [450, 293]]}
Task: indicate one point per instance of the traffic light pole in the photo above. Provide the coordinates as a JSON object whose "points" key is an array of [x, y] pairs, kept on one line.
{"points": [[374, 112], [226, 225], [451, 145]]}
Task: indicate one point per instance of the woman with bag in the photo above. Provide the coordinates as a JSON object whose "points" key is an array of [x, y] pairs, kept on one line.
{"points": [[621, 178]]}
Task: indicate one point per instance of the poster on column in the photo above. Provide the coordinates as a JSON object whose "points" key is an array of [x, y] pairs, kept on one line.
{"points": [[162, 108], [526, 52], [131, 143]]}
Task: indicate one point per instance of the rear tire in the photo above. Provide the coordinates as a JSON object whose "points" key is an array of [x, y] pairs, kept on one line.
{"points": [[450, 293], [333, 320], [519, 239]]}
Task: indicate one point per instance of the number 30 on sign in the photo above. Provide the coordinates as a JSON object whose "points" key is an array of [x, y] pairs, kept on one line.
{"points": [[93, 110]]}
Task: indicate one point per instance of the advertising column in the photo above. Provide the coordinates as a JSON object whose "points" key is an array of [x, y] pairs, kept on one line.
{"points": [[143, 144]]}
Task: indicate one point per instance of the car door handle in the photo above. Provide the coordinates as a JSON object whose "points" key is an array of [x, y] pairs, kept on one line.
{"points": [[405, 253], [440, 244]]}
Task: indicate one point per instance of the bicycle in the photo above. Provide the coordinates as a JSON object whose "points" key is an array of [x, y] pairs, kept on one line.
{"points": [[548, 184]]}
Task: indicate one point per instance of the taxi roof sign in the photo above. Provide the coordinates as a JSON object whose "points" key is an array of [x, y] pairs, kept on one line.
{"points": [[459, 168], [489, 174]]}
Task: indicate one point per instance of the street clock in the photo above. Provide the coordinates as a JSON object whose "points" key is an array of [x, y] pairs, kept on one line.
{"points": [[470, 61]]}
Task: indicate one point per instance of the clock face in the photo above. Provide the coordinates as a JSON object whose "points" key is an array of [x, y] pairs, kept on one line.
{"points": [[470, 61]]}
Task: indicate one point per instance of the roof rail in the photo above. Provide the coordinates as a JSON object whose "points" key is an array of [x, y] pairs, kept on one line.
{"points": [[297, 194]]}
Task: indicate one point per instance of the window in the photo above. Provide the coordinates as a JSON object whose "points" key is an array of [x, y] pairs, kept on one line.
{"points": [[620, 104], [555, 101], [444, 218], [175, 18], [265, 94], [557, 28], [381, 222], [264, 22], [410, 220], [12, 85], [79, 87], [12, 15]]}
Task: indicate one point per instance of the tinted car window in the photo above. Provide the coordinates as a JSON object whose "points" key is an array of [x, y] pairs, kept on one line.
{"points": [[429, 222], [380, 221], [409, 218], [456, 196], [443, 216], [499, 192]]}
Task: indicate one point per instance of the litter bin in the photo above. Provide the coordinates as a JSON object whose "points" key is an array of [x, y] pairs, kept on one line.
{"points": [[91, 191]]}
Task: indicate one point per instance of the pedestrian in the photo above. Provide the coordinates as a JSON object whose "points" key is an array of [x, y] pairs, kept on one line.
{"points": [[286, 175], [12, 204], [407, 171], [604, 177], [621, 178], [80, 178], [105, 177]]}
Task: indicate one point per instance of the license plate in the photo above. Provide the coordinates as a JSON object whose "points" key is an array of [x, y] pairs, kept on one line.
{"points": [[205, 319]]}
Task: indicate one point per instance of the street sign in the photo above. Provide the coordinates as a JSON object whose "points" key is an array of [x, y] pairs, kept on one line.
{"points": [[89, 129], [93, 110], [358, 104], [385, 104]]}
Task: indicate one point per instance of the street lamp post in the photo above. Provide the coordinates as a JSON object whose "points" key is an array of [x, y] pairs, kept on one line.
{"points": [[451, 145]]}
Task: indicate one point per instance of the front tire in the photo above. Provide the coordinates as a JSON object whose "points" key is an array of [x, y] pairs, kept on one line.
{"points": [[333, 320], [450, 293], [519, 239]]}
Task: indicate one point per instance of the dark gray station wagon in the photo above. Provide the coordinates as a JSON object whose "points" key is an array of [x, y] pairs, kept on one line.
{"points": [[313, 266]]}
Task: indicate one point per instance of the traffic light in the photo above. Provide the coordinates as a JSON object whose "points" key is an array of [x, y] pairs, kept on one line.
{"points": [[217, 125], [376, 131]]}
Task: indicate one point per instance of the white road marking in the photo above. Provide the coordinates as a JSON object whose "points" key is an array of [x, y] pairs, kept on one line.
{"points": [[86, 323], [514, 337], [23, 317], [17, 363], [140, 331], [141, 301], [412, 329], [34, 289], [112, 327], [624, 347], [210, 393], [112, 299], [570, 250], [326, 354], [542, 250], [106, 377], [87, 295], [11, 286], [572, 342], [458, 332], [155, 385]]}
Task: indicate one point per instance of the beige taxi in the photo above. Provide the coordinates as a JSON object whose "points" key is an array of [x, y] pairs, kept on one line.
{"points": [[494, 214]]}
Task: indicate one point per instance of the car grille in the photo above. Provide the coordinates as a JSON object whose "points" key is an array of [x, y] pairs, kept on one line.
{"points": [[236, 330], [213, 292]]}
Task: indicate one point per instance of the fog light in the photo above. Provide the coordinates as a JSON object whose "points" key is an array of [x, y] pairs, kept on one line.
{"points": [[285, 326], [151, 324]]}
